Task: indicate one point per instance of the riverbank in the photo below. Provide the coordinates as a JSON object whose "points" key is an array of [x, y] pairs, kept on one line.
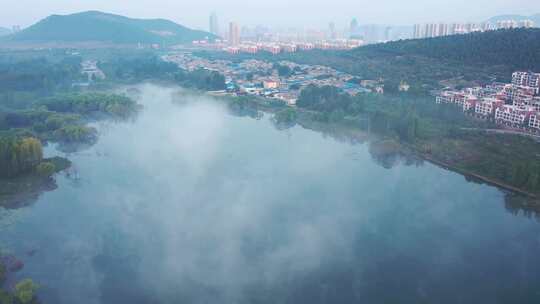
{"points": [[466, 154], [21, 191], [481, 178]]}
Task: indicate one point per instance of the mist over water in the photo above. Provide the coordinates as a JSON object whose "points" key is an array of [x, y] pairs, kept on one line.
{"points": [[191, 204]]}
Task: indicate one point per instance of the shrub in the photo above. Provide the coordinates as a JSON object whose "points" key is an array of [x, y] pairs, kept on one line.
{"points": [[25, 291], [46, 169]]}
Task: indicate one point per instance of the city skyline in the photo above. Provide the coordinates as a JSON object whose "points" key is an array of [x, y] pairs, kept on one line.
{"points": [[341, 12]]}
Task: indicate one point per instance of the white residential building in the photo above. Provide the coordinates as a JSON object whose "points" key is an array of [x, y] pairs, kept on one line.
{"points": [[487, 106], [467, 103], [514, 115], [536, 103], [527, 79], [522, 95], [534, 121], [446, 97]]}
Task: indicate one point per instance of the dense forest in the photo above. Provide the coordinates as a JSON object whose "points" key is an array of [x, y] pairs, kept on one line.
{"points": [[146, 66], [39, 74], [89, 103], [201, 79], [136, 67], [517, 48], [329, 99]]}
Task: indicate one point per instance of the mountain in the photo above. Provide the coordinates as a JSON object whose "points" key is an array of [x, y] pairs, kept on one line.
{"points": [[534, 18], [103, 27], [4, 31]]}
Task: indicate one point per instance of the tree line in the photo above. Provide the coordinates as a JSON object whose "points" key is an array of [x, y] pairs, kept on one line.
{"points": [[433, 129], [19, 155], [517, 48], [145, 66]]}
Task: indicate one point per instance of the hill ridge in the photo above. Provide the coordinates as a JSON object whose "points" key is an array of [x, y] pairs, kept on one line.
{"points": [[108, 27]]}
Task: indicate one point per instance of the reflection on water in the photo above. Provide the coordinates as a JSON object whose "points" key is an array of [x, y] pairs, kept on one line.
{"points": [[24, 191], [191, 204], [521, 205]]}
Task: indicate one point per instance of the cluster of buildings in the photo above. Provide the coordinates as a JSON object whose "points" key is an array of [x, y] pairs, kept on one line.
{"points": [[260, 78], [91, 70], [239, 39], [444, 29], [515, 104], [234, 45]]}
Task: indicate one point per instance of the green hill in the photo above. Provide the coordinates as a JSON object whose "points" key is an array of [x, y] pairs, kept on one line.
{"points": [[517, 48], [103, 27]]}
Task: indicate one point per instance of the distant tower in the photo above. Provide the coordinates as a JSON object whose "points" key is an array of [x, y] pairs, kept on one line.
{"points": [[214, 26], [526, 23], [388, 33], [354, 27], [417, 31], [234, 34], [332, 28], [443, 29], [431, 30]]}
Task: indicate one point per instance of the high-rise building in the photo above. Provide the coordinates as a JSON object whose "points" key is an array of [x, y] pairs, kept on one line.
{"points": [[485, 26], [388, 33], [234, 33], [214, 25], [443, 30], [526, 23], [417, 31], [471, 27], [507, 24], [431, 30], [16, 28], [332, 30], [354, 27], [371, 33]]}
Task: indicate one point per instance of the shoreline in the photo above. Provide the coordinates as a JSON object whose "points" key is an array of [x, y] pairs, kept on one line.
{"points": [[484, 179], [466, 173]]}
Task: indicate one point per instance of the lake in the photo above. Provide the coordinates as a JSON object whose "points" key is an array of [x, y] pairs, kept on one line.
{"points": [[190, 204]]}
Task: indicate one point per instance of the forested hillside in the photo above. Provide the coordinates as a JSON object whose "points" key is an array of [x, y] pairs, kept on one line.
{"points": [[517, 48]]}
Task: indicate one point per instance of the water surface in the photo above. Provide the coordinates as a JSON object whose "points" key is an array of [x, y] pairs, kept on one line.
{"points": [[189, 204]]}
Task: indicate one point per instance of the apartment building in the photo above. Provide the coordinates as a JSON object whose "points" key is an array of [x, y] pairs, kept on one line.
{"points": [[516, 103], [522, 95], [514, 115], [527, 79], [487, 106], [446, 97], [534, 121]]}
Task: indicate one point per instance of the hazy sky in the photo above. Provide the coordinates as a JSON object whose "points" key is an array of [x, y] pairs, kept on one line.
{"points": [[298, 13]]}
